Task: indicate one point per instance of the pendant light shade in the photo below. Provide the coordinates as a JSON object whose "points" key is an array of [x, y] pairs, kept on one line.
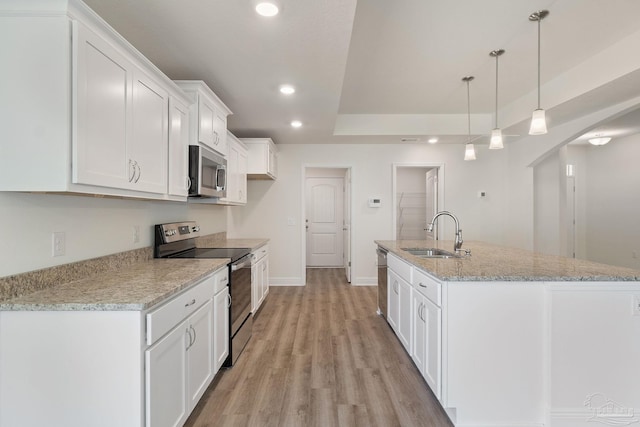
{"points": [[469, 149], [538, 119], [496, 139], [538, 123], [496, 134]]}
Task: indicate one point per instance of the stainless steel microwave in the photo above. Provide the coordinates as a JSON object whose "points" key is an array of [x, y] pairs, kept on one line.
{"points": [[207, 173]]}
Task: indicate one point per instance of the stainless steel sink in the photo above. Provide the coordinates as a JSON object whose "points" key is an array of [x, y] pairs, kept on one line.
{"points": [[430, 253]]}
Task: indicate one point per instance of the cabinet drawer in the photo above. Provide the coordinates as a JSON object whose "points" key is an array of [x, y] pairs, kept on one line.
{"points": [[400, 267], [427, 286], [221, 279], [163, 319], [260, 253]]}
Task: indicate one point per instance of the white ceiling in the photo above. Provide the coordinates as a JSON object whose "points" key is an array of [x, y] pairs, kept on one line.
{"points": [[379, 69]]}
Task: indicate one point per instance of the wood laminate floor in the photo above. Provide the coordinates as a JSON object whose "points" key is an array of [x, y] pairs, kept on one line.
{"points": [[320, 356]]}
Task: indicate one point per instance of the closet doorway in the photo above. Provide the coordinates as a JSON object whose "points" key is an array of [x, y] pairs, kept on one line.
{"points": [[418, 194]]}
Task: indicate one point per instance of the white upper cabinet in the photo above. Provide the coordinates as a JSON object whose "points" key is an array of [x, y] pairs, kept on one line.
{"points": [[262, 158], [208, 123], [87, 112], [178, 147], [236, 172]]}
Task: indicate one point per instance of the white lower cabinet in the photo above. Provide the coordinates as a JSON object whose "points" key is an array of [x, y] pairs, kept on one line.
{"points": [[166, 379], [221, 304], [107, 368], [259, 277], [399, 299], [427, 339]]}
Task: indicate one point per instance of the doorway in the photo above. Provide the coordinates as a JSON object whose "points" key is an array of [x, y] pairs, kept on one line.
{"points": [[327, 215], [418, 194]]}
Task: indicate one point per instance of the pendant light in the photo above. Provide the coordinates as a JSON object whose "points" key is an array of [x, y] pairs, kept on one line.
{"points": [[496, 134], [469, 149], [538, 120]]}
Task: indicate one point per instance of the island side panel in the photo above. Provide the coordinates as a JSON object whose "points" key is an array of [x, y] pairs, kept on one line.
{"points": [[494, 353], [71, 368], [594, 354]]}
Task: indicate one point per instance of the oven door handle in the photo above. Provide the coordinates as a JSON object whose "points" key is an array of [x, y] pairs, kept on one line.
{"points": [[242, 264]]}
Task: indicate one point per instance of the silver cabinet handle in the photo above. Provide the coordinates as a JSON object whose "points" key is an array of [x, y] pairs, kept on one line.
{"points": [[132, 170], [188, 183], [139, 171], [189, 334], [194, 335], [193, 301], [421, 285], [217, 138], [229, 304]]}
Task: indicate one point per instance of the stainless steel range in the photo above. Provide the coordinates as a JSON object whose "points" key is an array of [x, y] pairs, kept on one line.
{"points": [[178, 240]]}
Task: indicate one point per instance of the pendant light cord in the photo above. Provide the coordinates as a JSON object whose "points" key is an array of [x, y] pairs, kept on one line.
{"points": [[497, 91], [468, 114], [539, 19]]}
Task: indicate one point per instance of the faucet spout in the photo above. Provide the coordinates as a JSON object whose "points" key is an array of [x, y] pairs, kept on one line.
{"points": [[457, 245]]}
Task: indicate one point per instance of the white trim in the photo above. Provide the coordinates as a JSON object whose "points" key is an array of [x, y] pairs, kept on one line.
{"points": [[364, 281]]}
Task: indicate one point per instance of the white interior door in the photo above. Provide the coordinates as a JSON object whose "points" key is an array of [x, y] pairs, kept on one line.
{"points": [[324, 222], [431, 200], [346, 229]]}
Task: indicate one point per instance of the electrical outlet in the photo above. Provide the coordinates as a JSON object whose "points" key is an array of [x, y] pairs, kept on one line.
{"points": [[58, 240], [136, 234], [636, 305]]}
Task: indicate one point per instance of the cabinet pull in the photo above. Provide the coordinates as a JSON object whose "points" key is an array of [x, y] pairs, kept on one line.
{"points": [[188, 183], [193, 301], [421, 285], [217, 138], [189, 334], [132, 171], [139, 172], [229, 304], [195, 335]]}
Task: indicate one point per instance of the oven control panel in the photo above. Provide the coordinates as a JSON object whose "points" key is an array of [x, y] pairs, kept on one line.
{"points": [[177, 231]]}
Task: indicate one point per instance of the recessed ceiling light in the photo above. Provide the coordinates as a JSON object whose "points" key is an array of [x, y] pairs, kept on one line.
{"points": [[267, 9], [287, 89], [432, 140], [296, 124]]}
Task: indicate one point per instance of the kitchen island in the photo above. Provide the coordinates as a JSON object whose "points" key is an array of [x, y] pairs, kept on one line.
{"points": [[508, 337]]}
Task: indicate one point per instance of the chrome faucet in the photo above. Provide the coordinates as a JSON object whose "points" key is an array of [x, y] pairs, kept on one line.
{"points": [[457, 245]]}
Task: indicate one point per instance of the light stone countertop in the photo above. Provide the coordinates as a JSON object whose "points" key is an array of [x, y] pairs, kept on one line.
{"points": [[137, 287], [212, 242], [498, 263]]}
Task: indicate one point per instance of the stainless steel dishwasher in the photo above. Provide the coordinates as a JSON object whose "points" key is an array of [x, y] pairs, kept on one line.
{"points": [[382, 282]]}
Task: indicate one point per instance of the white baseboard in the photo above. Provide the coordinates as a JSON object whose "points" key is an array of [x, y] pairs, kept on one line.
{"points": [[364, 281], [285, 281]]}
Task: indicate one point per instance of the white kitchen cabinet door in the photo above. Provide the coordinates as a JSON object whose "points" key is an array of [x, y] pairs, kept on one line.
{"points": [[148, 146], [220, 328], [103, 89], [166, 379], [206, 119], [432, 315], [178, 148], [419, 331], [404, 313], [242, 175], [259, 277], [212, 125], [200, 353]]}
